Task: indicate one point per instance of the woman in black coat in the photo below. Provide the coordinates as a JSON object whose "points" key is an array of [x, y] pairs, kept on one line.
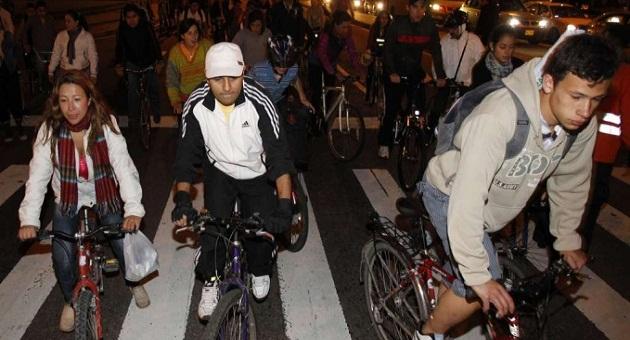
{"points": [[498, 61]]}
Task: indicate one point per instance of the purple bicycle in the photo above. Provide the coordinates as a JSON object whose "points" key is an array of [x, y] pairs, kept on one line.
{"points": [[233, 317]]}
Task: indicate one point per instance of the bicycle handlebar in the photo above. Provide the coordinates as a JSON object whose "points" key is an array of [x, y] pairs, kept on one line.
{"points": [[110, 229], [251, 227], [141, 71]]}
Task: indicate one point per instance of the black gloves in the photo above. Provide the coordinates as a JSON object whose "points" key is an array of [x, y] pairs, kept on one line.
{"points": [[280, 220], [183, 206]]}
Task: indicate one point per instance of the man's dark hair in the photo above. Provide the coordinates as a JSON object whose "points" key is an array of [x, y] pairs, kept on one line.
{"points": [[185, 25], [501, 31], [589, 57], [40, 3], [256, 15], [339, 17], [424, 3], [132, 8]]}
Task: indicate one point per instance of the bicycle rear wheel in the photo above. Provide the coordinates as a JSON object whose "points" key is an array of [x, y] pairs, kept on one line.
{"points": [[295, 237], [86, 323], [397, 307], [145, 124], [411, 159], [228, 321], [346, 133]]}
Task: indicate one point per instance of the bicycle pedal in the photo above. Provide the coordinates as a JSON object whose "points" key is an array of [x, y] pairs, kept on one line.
{"points": [[111, 265]]}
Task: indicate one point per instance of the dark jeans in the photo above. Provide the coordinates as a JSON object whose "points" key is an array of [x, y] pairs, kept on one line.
{"points": [[10, 97], [295, 118], [601, 191], [413, 90], [254, 195], [64, 253], [152, 90]]}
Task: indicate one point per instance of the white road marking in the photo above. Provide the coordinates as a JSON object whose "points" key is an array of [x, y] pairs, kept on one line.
{"points": [[11, 179], [170, 291], [309, 298], [615, 222], [25, 289]]}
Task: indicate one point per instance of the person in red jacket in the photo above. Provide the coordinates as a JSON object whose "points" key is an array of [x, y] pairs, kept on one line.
{"points": [[614, 130]]}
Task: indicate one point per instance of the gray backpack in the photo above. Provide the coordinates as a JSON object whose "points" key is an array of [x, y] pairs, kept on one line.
{"points": [[452, 121]]}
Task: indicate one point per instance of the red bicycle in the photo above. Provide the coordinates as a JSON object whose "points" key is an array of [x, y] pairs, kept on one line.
{"points": [[92, 263], [401, 272]]}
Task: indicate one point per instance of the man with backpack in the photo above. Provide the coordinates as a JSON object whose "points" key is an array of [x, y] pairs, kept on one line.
{"points": [[495, 146]]}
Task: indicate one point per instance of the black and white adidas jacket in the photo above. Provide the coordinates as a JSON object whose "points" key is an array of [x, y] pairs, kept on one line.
{"points": [[251, 144]]}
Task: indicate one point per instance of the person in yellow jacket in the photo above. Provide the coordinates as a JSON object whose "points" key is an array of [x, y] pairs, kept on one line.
{"points": [[473, 190]]}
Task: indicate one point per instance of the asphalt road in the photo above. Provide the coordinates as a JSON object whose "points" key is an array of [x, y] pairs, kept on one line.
{"points": [[316, 293]]}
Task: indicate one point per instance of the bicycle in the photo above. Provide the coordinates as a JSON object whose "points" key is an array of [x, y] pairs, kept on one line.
{"points": [[401, 274], [233, 317], [92, 263], [144, 115], [375, 92], [417, 138], [343, 123]]}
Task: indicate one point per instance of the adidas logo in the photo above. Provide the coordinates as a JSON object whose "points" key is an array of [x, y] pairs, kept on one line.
{"points": [[246, 124]]}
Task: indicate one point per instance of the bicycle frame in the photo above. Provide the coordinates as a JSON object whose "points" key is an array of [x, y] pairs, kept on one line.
{"points": [[340, 98]]}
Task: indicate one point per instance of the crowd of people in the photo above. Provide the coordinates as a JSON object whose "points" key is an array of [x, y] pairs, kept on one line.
{"points": [[233, 79]]}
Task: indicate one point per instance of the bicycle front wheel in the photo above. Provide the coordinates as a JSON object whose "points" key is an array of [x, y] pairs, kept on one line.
{"points": [[86, 322], [346, 133], [145, 125], [229, 321], [411, 159], [295, 237], [397, 306]]}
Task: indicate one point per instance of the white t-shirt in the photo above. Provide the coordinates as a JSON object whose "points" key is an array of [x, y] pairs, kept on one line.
{"points": [[452, 51]]}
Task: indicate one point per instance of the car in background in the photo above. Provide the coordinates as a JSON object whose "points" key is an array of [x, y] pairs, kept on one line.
{"points": [[439, 9], [511, 12], [558, 17], [616, 18]]}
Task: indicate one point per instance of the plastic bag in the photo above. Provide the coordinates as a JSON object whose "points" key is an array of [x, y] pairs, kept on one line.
{"points": [[141, 259]]}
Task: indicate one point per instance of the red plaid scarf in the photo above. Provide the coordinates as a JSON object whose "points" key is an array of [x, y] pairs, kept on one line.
{"points": [[107, 195]]}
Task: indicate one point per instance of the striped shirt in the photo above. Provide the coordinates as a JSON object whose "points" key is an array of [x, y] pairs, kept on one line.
{"points": [[263, 73]]}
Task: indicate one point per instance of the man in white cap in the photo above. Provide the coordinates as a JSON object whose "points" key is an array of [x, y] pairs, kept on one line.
{"points": [[231, 127]]}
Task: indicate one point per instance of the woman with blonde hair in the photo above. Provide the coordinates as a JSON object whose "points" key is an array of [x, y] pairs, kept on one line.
{"points": [[79, 146]]}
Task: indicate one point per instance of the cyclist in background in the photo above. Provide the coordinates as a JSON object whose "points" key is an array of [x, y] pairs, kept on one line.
{"points": [[472, 190], [408, 36], [231, 127], [375, 44], [74, 49], [80, 147], [499, 61], [336, 37], [137, 48], [252, 39], [286, 17], [38, 38]]}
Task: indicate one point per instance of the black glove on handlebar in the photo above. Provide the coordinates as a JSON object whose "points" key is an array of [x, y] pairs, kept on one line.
{"points": [[183, 207], [280, 219]]}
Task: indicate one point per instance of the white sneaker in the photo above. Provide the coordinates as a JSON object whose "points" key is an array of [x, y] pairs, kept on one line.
{"points": [[209, 300], [383, 152], [260, 286], [418, 336]]}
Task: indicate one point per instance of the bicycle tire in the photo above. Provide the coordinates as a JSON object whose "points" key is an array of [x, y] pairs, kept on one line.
{"points": [[228, 304], [411, 159], [411, 300], [346, 136], [86, 323], [145, 124], [295, 237]]}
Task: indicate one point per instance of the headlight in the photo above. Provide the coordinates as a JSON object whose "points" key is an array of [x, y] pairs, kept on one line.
{"points": [[514, 22], [380, 6], [357, 3], [436, 7], [543, 23], [571, 27]]}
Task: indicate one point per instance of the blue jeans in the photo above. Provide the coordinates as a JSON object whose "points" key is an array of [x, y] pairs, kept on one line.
{"points": [[64, 252], [436, 203], [152, 90]]}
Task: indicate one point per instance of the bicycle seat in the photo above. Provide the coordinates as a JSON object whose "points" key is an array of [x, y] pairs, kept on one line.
{"points": [[410, 207]]}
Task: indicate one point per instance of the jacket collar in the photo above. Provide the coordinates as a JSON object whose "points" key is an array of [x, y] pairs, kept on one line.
{"points": [[209, 99]]}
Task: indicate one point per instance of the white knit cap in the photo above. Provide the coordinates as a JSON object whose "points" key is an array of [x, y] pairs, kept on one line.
{"points": [[224, 60]]}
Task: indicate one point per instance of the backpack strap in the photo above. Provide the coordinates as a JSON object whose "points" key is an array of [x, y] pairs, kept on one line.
{"points": [[567, 144], [518, 140]]}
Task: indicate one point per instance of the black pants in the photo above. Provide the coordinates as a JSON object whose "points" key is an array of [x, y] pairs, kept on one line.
{"points": [[414, 90], [10, 97], [221, 192], [601, 191]]}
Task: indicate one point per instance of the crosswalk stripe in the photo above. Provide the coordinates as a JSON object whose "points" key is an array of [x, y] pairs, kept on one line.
{"points": [[170, 291], [615, 222], [24, 291], [309, 298], [622, 174], [606, 308], [11, 179]]}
